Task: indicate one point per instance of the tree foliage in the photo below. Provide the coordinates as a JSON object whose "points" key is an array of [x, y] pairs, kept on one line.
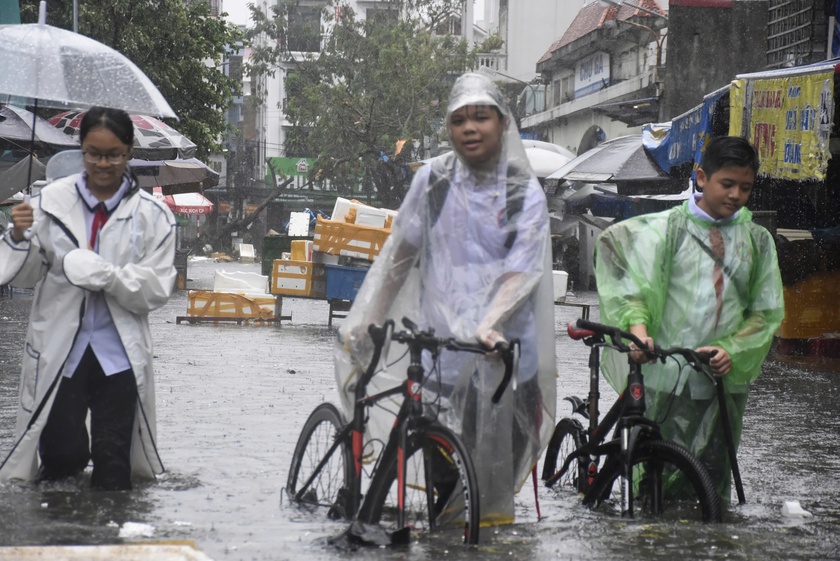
{"points": [[377, 80], [179, 46]]}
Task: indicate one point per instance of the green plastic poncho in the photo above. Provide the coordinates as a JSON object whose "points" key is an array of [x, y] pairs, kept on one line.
{"points": [[453, 270], [658, 269]]}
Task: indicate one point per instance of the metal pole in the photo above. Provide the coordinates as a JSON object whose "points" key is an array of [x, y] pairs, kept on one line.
{"points": [[75, 16], [730, 440]]}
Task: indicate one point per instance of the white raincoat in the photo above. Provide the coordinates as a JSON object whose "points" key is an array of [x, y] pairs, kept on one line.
{"points": [[135, 269], [451, 265]]}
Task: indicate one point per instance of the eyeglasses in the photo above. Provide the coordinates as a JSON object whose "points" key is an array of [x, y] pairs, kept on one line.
{"points": [[92, 157]]}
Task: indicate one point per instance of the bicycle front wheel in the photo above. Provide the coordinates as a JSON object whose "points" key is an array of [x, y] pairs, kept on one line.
{"points": [[568, 436], [668, 483], [441, 495], [329, 485]]}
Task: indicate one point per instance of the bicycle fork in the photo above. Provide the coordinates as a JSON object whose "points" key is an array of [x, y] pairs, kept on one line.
{"points": [[634, 407]]}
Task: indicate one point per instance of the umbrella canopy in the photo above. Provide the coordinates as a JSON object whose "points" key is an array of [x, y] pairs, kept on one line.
{"points": [[624, 162], [545, 162], [16, 129], [19, 176], [187, 203], [153, 139], [528, 143], [51, 67], [178, 175]]}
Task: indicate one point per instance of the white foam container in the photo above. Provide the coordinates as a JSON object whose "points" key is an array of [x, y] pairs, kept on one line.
{"points": [[561, 280]]}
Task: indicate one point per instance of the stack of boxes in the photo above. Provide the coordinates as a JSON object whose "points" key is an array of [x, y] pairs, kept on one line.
{"points": [[298, 275], [348, 243], [333, 264]]}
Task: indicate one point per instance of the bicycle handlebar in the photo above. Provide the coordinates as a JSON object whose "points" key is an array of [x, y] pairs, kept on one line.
{"points": [[584, 329], [509, 352]]}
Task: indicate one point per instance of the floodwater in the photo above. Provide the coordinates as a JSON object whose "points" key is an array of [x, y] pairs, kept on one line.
{"points": [[232, 399]]}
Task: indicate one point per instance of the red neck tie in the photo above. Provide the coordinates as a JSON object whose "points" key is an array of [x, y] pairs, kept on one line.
{"points": [[99, 220]]}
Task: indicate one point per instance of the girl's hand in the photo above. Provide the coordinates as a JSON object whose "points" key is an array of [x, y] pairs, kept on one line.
{"points": [[721, 363], [22, 219]]}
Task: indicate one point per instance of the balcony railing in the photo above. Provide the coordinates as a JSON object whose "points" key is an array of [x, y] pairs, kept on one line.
{"points": [[493, 61]]}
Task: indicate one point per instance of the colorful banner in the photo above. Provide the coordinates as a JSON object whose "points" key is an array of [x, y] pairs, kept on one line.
{"points": [[788, 120]]}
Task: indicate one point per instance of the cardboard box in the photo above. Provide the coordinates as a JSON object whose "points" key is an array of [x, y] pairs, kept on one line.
{"points": [[343, 283], [349, 240], [298, 278], [301, 250]]}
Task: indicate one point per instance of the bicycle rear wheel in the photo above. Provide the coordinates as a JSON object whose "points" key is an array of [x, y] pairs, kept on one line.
{"points": [[330, 484], [668, 483], [441, 489], [568, 436]]}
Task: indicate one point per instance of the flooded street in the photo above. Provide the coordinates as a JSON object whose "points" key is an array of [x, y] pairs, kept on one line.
{"points": [[231, 402]]}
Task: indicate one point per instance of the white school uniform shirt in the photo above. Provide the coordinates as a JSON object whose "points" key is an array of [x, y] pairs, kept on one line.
{"points": [[97, 328]]}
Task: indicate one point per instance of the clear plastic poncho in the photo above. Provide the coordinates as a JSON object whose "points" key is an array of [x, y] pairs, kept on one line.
{"points": [[451, 269], [653, 269]]}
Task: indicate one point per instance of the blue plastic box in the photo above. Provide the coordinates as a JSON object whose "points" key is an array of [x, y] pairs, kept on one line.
{"points": [[343, 282]]}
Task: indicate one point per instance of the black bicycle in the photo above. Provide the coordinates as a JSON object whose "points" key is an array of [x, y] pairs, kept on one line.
{"points": [[423, 479], [635, 469]]}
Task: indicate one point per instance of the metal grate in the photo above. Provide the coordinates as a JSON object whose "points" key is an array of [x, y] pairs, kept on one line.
{"points": [[791, 39]]}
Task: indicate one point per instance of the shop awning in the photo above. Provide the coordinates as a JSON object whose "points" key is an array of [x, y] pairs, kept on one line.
{"points": [[632, 112]]}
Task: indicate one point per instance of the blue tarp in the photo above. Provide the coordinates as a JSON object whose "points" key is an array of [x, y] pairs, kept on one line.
{"points": [[681, 141]]}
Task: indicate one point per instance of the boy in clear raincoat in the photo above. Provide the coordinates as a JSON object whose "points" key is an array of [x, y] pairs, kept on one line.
{"points": [[469, 255], [704, 276]]}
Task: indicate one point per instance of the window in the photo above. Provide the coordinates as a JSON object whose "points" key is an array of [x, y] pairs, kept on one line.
{"points": [[305, 29], [381, 16]]}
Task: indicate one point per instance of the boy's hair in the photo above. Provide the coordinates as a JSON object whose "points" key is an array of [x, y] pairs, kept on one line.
{"points": [[724, 151]]}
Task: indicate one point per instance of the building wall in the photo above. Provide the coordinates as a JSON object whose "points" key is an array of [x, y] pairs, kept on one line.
{"points": [[708, 46], [533, 25]]}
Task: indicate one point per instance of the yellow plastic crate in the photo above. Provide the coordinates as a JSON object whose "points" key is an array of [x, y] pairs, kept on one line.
{"points": [[207, 303], [350, 240]]}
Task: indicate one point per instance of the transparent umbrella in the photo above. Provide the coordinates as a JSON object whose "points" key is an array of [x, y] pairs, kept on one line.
{"points": [[46, 66]]}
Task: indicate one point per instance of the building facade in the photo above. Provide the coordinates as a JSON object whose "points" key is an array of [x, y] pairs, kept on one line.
{"points": [[603, 76]]}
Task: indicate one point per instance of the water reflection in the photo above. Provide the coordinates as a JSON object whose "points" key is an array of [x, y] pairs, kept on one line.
{"points": [[232, 400]]}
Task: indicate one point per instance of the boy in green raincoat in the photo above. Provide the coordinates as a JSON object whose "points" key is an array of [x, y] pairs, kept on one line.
{"points": [[704, 276]]}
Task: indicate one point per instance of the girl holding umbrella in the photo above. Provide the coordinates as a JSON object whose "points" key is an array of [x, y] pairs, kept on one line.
{"points": [[99, 253]]}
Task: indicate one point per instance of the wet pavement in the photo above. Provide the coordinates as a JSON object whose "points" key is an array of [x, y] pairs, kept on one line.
{"points": [[232, 399]]}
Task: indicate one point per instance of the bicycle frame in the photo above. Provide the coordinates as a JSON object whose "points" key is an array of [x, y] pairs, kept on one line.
{"points": [[410, 413], [626, 413]]}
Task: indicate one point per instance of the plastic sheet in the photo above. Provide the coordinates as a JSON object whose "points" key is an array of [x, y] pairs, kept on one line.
{"points": [[652, 269], [450, 269]]}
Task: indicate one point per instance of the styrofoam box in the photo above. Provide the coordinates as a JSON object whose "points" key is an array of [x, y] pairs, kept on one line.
{"points": [[561, 279], [365, 215], [298, 224], [240, 282]]}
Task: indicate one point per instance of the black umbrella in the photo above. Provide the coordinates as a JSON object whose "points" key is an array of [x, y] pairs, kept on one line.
{"points": [[624, 162]]}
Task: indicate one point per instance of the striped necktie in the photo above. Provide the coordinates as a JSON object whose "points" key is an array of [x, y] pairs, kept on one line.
{"points": [[718, 250]]}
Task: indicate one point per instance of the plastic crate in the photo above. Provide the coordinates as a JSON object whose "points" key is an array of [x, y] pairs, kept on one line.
{"points": [[349, 240], [297, 278], [343, 283]]}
